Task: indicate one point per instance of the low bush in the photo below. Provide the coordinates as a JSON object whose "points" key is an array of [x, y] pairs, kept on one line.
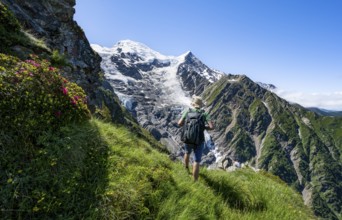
{"points": [[34, 98], [58, 59]]}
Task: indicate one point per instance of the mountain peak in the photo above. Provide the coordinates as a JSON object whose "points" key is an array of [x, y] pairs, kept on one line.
{"points": [[185, 56], [188, 53], [131, 45], [140, 49]]}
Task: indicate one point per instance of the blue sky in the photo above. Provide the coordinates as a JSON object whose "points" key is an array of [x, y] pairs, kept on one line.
{"points": [[294, 44]]}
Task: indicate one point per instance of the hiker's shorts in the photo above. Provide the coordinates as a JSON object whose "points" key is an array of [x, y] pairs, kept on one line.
{"points": [[197, 151]]}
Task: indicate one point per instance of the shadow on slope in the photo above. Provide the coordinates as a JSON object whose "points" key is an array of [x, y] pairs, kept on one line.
{"points": [[60, 177]]}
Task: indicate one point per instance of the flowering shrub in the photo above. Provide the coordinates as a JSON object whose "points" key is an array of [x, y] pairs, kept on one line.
{"points": [[34, 97]]}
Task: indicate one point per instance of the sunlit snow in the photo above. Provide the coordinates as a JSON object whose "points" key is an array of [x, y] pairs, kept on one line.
{"points": [[164, 77]]}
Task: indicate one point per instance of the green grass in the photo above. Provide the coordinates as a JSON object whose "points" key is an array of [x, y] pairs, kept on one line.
{"points": [[98, 170]]}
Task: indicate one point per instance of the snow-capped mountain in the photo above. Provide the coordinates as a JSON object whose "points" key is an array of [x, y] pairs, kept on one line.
{"points": [[155, 88], [129, 62]]}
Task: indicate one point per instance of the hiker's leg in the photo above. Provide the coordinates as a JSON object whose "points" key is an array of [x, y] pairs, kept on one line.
{"points": [[195, 170], [186, 160], [187, 153], [197, 158]]}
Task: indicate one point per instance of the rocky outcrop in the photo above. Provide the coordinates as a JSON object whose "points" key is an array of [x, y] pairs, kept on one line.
{"points": [[191, 80], [52, 21]]}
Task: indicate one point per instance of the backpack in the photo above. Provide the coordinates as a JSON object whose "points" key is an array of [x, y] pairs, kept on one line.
{"points": [[193, 127]]}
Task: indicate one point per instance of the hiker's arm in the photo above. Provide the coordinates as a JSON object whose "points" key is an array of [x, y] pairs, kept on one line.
{"points": [[182, 119], [180, 122], [210, 126]]}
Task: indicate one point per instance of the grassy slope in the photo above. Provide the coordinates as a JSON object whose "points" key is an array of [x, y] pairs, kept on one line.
{"points": [[98, 170]]}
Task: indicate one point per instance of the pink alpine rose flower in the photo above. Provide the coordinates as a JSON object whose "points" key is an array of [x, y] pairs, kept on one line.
{"points": [[58, 114], [73, 102], [65, 90]]}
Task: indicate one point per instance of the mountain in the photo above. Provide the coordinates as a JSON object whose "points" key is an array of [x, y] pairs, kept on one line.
{"points": [[325, 112], [153, 87], [253, 124], [300, 147]]}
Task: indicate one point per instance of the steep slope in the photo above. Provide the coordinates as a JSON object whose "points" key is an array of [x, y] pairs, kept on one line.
{"points": [[252, 124], [303, 149]]}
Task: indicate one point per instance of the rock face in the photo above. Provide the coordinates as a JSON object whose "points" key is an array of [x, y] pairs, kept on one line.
{"points": [[52, 21]]}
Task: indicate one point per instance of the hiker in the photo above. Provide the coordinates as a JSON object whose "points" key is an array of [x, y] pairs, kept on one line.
{"points": [[197, 114]]}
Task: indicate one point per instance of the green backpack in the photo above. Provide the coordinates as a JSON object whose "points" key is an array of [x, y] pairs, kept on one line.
{"points": [[193, 127]]}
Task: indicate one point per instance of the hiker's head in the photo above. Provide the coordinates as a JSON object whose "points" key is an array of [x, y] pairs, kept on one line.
{"points": [[197, 102]]}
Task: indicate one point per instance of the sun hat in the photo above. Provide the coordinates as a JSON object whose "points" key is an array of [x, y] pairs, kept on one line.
{"points": [[197, 102]]}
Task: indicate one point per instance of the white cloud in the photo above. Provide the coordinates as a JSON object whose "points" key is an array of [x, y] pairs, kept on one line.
{"points": [[329, 101]]}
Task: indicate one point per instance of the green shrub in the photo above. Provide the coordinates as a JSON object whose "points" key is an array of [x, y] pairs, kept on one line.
{"points": [[34, 97], [7, 20], [9, 28], [58, 59]]}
